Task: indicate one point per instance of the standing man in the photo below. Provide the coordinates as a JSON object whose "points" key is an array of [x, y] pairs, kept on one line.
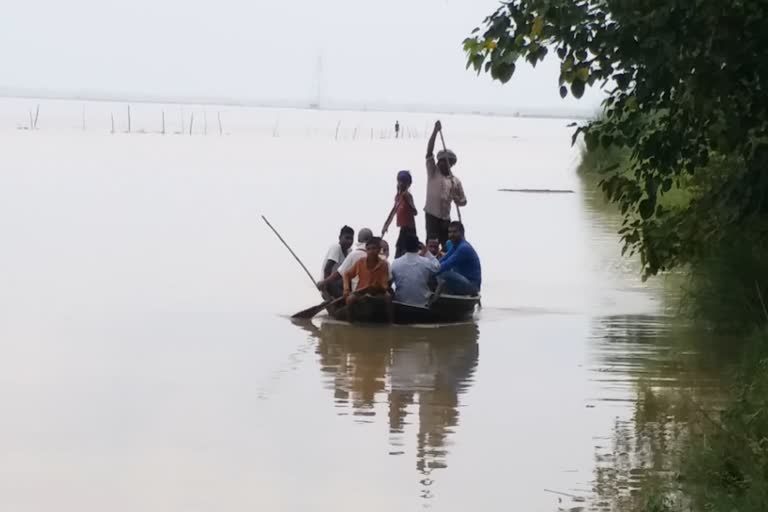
{"points": [[397, 129], [443, 188]]}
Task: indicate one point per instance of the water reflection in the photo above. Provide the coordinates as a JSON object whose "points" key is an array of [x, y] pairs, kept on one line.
{"points": [[660, 371], [415, 376]]}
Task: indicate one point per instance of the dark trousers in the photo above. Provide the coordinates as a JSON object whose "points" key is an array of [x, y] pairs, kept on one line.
{"points": [[437, 228], [400, 244]]}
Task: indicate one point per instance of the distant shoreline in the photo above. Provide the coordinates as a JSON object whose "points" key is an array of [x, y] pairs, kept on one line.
{"points": [[31, 94]]}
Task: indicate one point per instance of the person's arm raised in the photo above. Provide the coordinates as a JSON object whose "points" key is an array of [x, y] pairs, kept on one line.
{"points": [[433, 138]]}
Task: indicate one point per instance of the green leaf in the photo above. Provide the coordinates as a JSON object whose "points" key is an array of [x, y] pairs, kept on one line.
{"points": [[577, 89], [645, 208], [563, 91], [538, 25]]}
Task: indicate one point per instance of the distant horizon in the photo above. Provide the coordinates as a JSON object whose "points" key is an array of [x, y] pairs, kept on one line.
{"points": [[309, 104]]}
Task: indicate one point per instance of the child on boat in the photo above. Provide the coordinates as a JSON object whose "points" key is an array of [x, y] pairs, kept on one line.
{"points": [[404, 210]]}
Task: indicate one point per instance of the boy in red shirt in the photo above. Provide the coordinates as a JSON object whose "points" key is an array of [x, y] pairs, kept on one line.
{"points": [[405, 210]]}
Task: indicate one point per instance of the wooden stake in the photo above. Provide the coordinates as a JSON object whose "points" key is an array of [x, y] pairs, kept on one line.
{"points": [[37, 114], [83, 117], [112, 116], [221, 130], [162, 129], [191, 122], [129, 119], [205, 122]]}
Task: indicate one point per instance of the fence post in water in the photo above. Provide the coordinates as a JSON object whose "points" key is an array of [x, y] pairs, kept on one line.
{"points": [[274, 130], [37, 114], [205, 122], [31, 121], [221, 130], [112, 117], [191, 122], [83, 117], [354, 134], [129, 119], [338, 125], [162, 129]]}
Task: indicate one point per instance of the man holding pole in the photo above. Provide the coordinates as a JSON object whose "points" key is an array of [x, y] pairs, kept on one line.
{"points": [[443, 188]]}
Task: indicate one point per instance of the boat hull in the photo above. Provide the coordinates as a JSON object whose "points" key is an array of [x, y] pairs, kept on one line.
{"points": [[445, 310]]}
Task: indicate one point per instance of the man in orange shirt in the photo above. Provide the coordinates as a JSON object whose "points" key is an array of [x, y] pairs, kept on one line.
{"points": [[372, 273]]}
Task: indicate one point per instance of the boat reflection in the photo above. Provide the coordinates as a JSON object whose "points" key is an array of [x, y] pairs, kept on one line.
{"points": [[415, 376]]}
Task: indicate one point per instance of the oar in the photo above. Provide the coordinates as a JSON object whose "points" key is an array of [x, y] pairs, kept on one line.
{"points": [[290, 250], [311, 312], [458, 211]]}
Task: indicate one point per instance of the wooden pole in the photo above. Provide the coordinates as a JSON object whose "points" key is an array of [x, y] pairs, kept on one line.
{"points": [[221, 130], [31, 121], [205, 122], [83, 117], [338, 125], [162, 129], [37, 115], [309, 274], [442, 140], [191, 122], [129, 119], [112, 117]]}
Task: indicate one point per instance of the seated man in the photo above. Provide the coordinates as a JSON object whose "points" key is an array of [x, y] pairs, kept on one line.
{"points": [[352, 257], [460, 272], [372, 273], [336, 255], [411, 273]]}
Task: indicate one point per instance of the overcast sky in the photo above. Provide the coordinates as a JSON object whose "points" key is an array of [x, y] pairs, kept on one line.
{"points": [[398, 51]]}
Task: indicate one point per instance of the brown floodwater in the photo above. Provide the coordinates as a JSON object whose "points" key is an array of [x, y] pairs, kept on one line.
{"points": [[147, 359]]}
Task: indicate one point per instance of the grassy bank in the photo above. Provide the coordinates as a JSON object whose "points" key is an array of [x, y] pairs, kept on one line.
{"points": [[714, 459]]}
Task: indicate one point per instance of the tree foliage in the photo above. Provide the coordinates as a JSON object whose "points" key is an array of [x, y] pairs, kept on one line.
{"points": [[687, 84]]}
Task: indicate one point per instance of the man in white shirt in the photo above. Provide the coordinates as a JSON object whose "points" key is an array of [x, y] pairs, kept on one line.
{"points": [[334, 279], [336, 255], [443, 188], [411, 273]]}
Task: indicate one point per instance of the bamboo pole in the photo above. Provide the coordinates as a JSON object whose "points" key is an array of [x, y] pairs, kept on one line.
{"points": [[191, 122], [162, 129], [338, 125], [205, 122], [37, 115], [112, 117], [129, 119], [83, 117], [31, 121], [221, 130]]}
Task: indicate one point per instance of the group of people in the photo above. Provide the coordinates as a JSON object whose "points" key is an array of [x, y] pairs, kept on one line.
{"points": [[446, 264]]}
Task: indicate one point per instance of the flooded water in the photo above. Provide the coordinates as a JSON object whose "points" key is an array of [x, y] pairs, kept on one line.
{"points": [[147, 361]]}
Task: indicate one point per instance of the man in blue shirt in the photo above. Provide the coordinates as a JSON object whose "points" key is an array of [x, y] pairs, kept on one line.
{"points": [[460, 272]]}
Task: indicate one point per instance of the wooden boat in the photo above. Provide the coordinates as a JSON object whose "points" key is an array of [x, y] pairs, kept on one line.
{"points": [[446, 309]]}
